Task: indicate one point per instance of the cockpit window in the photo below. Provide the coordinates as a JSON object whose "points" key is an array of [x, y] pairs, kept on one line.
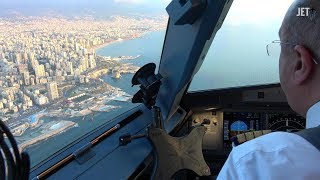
{"points": [[66, 66], [238, 56]]}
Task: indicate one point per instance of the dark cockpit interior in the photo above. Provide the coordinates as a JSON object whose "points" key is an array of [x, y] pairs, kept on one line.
{"points": [[176, 129]]}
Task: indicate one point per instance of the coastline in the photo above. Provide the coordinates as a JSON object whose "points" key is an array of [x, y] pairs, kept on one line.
{"points": [[49, 134], [68, 125], [96, 48], [45, 148]]}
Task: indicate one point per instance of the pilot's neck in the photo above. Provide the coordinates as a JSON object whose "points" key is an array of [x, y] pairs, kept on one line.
{"points": [[313, 116]]}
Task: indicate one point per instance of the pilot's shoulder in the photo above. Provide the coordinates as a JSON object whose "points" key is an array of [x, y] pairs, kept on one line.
{"points": [[272, 142]]}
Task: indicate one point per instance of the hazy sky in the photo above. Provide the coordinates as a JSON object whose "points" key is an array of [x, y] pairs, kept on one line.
{"points": [[78, 7], [252, 12], [87, 2], [257, 12]]}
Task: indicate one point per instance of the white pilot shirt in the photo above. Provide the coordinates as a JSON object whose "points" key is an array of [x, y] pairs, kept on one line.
{"points": [[278, 155]]}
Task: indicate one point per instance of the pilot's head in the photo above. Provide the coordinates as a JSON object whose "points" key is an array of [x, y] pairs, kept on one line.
{"points": [[300, 53]]}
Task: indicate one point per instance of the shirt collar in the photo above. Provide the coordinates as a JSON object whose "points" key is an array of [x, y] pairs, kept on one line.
{"points": [[313, 116]]}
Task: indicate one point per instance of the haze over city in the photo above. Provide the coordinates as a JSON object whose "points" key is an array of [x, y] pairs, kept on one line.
{"points": [[95, 8]]}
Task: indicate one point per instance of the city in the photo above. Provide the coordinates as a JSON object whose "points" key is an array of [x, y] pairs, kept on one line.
{"points": [[49, 68]]}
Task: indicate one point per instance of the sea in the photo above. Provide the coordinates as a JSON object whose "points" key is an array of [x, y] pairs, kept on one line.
{"points": [[148, 53], [234, 59]]}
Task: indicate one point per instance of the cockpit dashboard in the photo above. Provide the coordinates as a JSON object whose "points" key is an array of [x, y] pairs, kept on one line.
{"points": [[228, 113]]}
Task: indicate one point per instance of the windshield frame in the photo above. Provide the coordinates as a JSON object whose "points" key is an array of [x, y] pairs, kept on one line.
{"points": [[186, 45], [80, 142], [171, 111], [73, 146]]}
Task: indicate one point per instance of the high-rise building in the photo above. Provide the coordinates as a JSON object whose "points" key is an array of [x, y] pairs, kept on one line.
{"points": [[85, 64], [33, 63], [2, 55], [26, 78], [58, 65], [69, 68], [81, 68], [47, 66], [18, 58], [92, 61], [22, 68], [32, 80], [25, 56], [31, 56], [39, 71], [52, 89], [77, 47]]}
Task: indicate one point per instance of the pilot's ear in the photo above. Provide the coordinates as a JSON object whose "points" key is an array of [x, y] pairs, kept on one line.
{"points": [[303, 66]]}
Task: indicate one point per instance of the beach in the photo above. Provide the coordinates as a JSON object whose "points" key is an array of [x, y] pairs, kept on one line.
{"points": [[53, 130], [95, 48]]}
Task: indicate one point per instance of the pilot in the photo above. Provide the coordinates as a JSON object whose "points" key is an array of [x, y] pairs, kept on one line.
{"points": [[282, 155]]}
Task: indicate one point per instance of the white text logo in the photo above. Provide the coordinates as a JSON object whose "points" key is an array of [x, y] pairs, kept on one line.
{"points": [[303, 11]]}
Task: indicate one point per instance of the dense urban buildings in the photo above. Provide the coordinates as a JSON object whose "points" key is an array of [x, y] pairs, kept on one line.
{"points": [[36, 51], [52, 89], [49, 63]]}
